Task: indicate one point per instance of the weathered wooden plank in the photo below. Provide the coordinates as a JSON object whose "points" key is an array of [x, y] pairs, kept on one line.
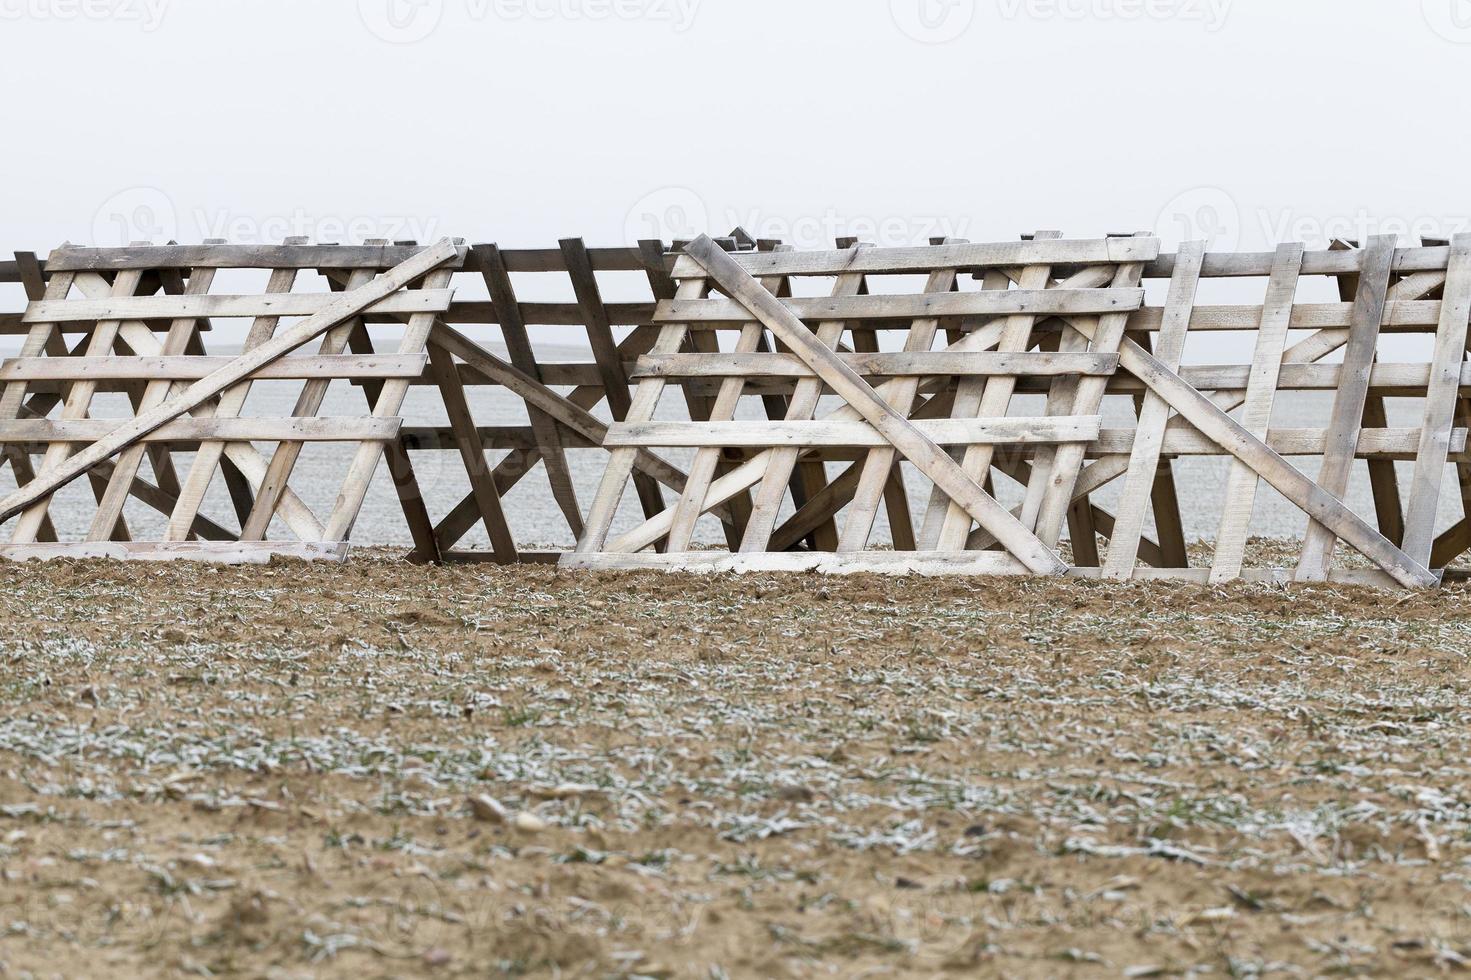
{"points": [[1362, 577], [220, 552], [1256, 418], [1061, 395], [170, 367], [41, 337], [472, 455], [1327, 263], [808, 433], [1154, 414], [1403, 316], [810, 476], [1388, 378], [204, 429], [188, 306], [1389, 512], [1350, 399], [828, 563], [1180, 440], [605, 352], [963, 256], [1440, 402], [518, 344], [911, 306], [921, 563], [879, 365], [296, 255]]}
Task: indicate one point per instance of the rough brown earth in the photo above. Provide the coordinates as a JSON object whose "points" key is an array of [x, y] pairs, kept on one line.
{"points": [[266, 772]]}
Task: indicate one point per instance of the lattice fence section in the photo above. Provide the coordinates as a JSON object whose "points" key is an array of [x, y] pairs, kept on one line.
{"points": [[561, 398], [138, 314], [975, 366], [912, 404], [1333, 347]]}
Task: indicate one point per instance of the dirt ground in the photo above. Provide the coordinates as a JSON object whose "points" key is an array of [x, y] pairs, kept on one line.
{"points": [[269, 771]]}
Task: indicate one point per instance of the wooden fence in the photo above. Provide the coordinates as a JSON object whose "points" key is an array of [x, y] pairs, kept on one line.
{"points": [[818, 387]]}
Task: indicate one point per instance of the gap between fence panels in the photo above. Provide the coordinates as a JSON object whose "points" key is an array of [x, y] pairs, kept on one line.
{"points": [[950, 408]]}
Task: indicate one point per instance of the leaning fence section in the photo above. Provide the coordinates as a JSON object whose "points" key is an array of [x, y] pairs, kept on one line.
{"points": [[794, 400]]}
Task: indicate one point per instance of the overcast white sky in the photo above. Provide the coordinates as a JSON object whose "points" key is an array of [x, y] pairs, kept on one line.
{"points": [[520, 121]]}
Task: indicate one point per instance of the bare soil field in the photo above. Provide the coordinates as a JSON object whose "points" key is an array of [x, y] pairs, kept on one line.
{"points": [[385, 770]]}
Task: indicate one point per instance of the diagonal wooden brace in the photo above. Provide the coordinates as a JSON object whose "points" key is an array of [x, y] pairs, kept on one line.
{"points": [[914, 445], [1234, 438]]}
